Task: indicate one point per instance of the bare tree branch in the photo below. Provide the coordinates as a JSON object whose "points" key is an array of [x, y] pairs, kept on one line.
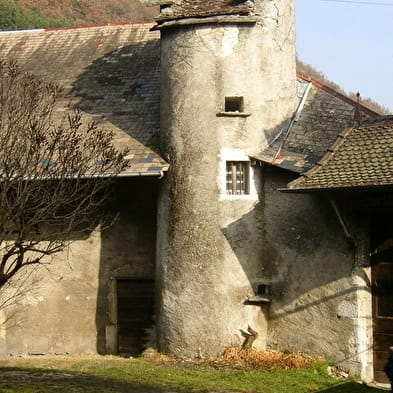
{"points": [[55, 172]]}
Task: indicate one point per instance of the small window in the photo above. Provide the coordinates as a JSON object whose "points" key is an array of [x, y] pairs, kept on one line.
{"points": [[234, 104], [262, 290], [237, 181]]}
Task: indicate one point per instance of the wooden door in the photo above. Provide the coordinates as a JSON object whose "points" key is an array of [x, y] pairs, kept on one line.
{"points": [[382, 297], [135, 309]]}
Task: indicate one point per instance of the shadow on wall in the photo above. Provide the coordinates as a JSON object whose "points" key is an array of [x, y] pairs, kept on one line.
{"points": [[300, 246], [128, 258], [72, 306], [30, 300], [245, 238], [305, 266], [246, 235], [123, 88], [121, 91]]}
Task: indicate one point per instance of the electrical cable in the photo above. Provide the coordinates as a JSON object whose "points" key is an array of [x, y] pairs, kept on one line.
{"points": [[360, 2]]}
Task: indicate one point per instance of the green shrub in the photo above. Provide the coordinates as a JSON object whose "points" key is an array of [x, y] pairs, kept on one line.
{"points": [[12, 17]]}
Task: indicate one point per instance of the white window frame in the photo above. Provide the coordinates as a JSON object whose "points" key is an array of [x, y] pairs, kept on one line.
{"points": [[237, 177], [235, 155]]}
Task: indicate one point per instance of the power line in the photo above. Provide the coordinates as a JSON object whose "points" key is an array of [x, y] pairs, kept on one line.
{"points": [[360, 2]]}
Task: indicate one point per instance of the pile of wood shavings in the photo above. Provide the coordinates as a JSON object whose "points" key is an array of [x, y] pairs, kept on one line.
{"points": [[269, 360], [237, 358]]}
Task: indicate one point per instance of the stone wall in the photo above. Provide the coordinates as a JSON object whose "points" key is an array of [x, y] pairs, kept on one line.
{"points": [[315, 284], [68, 306]]}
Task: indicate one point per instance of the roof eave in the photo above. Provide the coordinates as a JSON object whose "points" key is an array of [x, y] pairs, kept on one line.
{"points": [[296, 170], [375, 187]]}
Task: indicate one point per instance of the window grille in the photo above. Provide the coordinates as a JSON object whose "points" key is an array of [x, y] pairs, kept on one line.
{"points": [[237, 177]]}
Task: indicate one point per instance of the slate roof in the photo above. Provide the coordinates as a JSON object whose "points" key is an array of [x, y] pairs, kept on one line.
{"points": [[361, 157], [203, 8], [112, 72], [321, 114]]}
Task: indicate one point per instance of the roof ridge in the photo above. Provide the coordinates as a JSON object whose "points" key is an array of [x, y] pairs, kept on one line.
{"points": [[336, 93], [377, 120], [101, 25], [39, 30], [21, 31]]}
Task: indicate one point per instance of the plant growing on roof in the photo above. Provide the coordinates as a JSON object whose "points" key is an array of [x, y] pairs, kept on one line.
{"points": [[55, 172]]}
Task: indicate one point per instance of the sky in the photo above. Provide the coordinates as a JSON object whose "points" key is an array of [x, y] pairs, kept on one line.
{"points": [[350, 42]]}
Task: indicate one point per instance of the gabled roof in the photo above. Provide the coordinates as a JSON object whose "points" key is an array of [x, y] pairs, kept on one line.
{"points": [[361, 157], [321, 114], [178, 9], [112, 72]]}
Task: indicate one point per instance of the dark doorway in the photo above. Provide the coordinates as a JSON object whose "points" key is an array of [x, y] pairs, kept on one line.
{"points": [[382, 291], [135, 309]]}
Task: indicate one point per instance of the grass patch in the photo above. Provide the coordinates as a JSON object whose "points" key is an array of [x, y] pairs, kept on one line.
{"points": [[111, 374]]}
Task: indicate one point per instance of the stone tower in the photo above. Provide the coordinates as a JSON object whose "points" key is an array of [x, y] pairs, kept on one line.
{"points": [[228, 87]]}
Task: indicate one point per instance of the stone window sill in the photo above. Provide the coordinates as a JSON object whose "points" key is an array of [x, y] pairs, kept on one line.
{"points": [[233, 114], [257, 300], [244, 197]]}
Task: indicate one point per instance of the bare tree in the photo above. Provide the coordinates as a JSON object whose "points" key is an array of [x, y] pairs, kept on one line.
{"points": [[55, 174]]}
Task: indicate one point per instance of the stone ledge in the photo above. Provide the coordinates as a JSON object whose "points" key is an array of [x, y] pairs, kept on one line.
{"points": [[233, 114], [255, 299], [226, 19]]}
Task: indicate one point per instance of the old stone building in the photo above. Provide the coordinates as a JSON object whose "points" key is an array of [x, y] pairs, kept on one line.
{"points": [[218, 123]]}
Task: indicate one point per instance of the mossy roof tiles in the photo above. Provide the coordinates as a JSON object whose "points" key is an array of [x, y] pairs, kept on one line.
{"points": [[361, 157], [111, 72]]}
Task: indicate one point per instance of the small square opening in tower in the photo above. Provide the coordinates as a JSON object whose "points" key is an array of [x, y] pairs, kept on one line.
{"points": [[234, 104], [262, 290]]}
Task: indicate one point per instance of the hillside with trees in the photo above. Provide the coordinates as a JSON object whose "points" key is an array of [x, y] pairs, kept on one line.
{"points": [[313, 73], [26, 14]]}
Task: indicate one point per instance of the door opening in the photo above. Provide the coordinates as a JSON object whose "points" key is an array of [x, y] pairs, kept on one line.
{"points": [[382, 292], [135, 313]]}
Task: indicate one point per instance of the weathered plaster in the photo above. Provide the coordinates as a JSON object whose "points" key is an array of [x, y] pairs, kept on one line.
{"points": [[57, 302], [312, 270], [69, 306], [209, 248]]}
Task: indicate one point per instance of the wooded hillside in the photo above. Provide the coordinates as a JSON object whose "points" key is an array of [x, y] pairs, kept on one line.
{"points": [[312, 72], [22, 14]]}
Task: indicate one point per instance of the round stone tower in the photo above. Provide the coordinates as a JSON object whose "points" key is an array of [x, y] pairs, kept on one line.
{"points": [[228, 87]]}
